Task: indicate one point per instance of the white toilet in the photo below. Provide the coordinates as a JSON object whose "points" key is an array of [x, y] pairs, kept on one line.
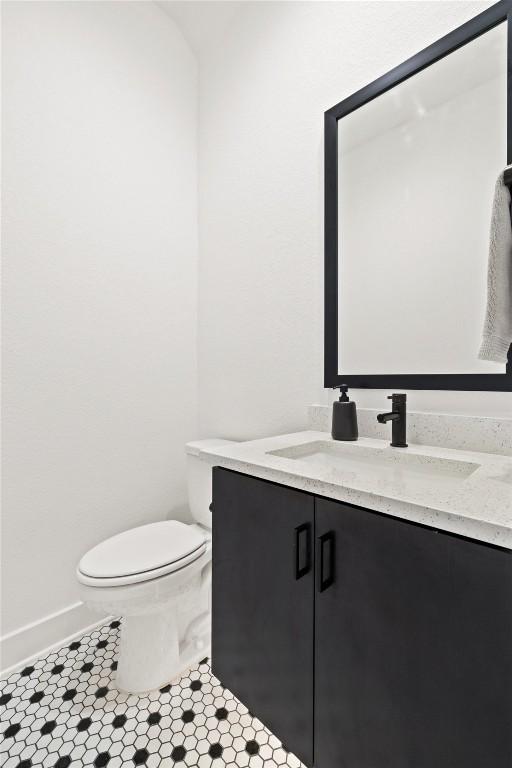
{"points": [[158, 578]]}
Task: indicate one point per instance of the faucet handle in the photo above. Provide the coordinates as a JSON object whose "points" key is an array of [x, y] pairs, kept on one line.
{"points": [[400, 397]]}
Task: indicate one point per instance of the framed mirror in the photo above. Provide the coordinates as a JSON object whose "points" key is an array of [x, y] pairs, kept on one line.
{"points": [[411, 163]]}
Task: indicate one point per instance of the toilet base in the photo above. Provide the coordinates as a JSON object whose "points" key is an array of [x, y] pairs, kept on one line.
{"points": [[150, 655], [148, 652]]}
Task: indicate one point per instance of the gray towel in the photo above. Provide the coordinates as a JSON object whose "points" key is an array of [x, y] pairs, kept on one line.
{"points": [[497, 333]]}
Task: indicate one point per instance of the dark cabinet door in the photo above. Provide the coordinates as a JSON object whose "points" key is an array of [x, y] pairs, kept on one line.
{"points": [[262, 602], [413, 646]]}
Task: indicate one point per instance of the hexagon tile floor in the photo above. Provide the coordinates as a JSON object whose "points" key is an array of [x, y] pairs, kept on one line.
{"points": [[63, 711]]}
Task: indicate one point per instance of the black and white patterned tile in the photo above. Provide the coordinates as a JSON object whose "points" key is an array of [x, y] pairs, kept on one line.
{"points": [[64, 711]]}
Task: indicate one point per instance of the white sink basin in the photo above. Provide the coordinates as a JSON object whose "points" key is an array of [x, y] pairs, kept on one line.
{"points": [[386, 461]]}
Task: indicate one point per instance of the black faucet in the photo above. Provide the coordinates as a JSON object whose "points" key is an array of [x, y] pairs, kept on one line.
{"points": [[399, 418]]}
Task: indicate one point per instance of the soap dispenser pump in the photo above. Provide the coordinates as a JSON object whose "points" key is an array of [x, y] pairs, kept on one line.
{"points": [[344, 417]]}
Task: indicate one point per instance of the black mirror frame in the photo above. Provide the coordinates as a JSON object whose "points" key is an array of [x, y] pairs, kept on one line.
{"points": [[472, 29]]}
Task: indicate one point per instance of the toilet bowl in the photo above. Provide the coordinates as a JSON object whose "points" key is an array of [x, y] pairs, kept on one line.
{"points": [[158, 578]]}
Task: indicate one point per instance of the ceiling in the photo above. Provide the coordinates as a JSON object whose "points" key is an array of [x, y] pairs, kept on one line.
{"points": [[202, 22]]}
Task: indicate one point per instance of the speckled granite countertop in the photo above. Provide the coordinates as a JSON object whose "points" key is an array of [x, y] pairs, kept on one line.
{"points": [[477, 505]]}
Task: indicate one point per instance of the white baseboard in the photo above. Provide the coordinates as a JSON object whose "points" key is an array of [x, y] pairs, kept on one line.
{"points": [[34, 640]]}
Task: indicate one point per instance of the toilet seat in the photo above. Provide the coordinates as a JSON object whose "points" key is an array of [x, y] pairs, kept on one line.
{"points": [[141, 554]]}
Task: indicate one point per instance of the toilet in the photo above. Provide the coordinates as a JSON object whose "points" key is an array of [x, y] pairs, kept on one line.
{"points": [[158, 578]]}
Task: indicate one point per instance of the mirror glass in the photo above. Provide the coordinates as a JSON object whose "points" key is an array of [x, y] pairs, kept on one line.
{"points": [[417, 167]]}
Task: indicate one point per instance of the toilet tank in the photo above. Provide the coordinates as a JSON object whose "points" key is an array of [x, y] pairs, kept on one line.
{"points": [[199, 480]]}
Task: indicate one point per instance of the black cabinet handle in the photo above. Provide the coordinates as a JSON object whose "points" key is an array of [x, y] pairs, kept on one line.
{"points": [[302, 531], [326, 549]]}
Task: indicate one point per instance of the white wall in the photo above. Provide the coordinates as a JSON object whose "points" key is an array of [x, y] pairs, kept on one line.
{"points": [[100, 284], [263, 90]]}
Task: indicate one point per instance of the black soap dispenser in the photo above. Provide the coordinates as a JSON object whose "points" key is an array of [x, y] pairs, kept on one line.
{"points": [[344, 417]]}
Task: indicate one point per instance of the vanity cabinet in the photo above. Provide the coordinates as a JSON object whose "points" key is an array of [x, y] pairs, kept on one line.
{"points": [[263, 603], [413, 647], [361, 640]]}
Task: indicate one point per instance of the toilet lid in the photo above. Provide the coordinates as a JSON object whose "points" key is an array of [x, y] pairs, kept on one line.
{"points": [[142, 549]]}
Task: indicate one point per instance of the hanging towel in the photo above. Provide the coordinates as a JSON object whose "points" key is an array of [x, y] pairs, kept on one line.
{"points": [[497, 333]]}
